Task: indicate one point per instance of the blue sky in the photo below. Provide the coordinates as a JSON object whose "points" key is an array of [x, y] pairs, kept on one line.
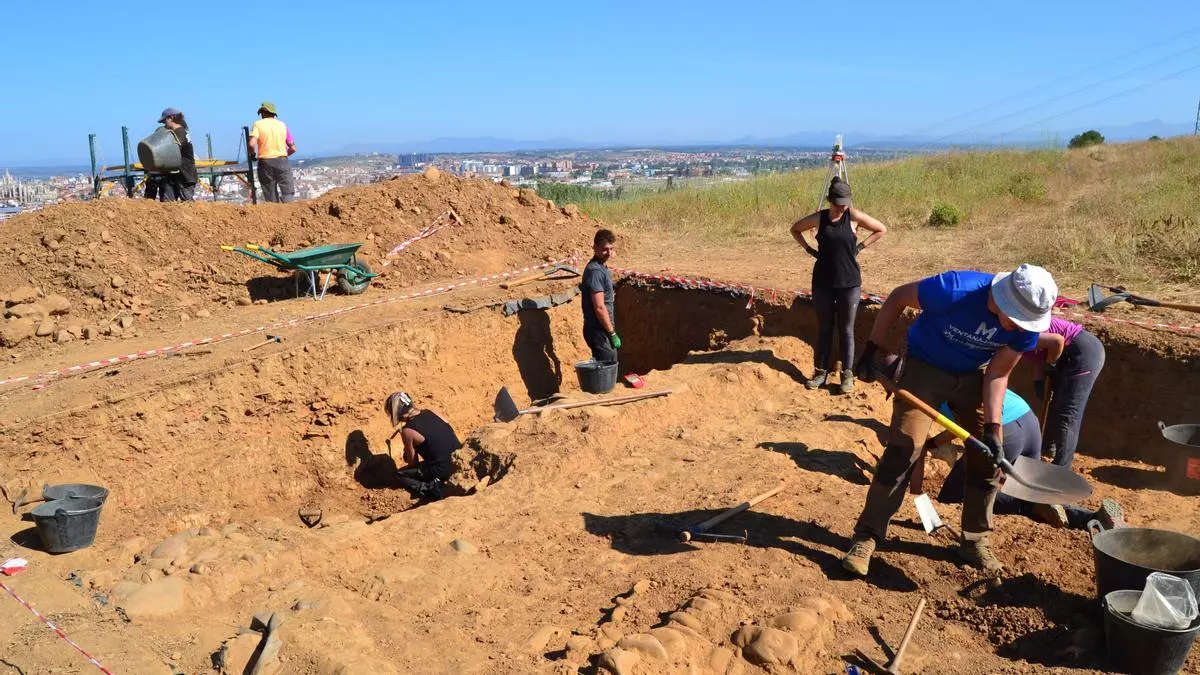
{"points": [[358, 72]]}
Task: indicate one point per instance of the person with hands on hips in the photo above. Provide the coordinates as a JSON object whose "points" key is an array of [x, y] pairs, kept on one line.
{"points": [[972, 329], [599, 315], [836, 277]]}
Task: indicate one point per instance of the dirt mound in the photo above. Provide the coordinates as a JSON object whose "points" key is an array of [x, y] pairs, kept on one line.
{"points": [[111, 265]]}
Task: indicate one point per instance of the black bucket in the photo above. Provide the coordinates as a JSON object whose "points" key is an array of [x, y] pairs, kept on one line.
{"points": [[1127, 555], [1143, 650], [66, 525], [596, 377], [75, 491], [1183, 463]]}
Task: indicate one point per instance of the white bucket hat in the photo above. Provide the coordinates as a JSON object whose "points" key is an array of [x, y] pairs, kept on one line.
{"points": [[1026, 296]]}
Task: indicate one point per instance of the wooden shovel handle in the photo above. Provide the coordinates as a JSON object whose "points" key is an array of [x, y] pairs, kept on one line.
{"points": [[522, 280], [602, 401], [1176, 305]]}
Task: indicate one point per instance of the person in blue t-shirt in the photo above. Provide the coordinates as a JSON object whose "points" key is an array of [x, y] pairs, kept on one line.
{"points": [[971, 332], [1022, 438]]}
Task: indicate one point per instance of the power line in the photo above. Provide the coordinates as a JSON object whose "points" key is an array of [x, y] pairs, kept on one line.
{"points": [[1098, 101], [1068, 94], [1156, 43]]}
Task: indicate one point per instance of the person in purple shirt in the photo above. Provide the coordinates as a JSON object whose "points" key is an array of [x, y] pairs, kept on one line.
{"points": [[972, 330]]}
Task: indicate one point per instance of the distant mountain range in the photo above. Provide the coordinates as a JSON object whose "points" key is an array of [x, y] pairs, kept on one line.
{"points": [[804, 139]]}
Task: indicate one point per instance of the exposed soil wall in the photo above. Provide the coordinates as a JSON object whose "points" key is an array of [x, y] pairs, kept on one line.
{"points": [[1149, 375]]}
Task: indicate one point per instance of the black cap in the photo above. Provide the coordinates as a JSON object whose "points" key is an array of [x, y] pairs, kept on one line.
{"points": [[839, 192]]}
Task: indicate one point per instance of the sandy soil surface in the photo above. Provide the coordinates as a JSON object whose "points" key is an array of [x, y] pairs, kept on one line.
{"points": [[558, 550]]}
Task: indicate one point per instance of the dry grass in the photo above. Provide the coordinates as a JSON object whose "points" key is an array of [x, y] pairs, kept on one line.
{"points": [[1126, 212]]}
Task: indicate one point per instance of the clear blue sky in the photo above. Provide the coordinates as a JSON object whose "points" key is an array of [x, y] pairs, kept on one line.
{"points": [[355, 71]]}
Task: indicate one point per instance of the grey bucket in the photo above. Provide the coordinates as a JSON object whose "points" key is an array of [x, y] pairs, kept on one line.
{"points": [[159, 152], [66, 525], [75, 491], [1143, 650], [596, 377], [1183, 463]]}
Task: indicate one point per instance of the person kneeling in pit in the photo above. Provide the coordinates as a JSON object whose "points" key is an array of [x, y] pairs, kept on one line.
{"points": [[429, 444]]}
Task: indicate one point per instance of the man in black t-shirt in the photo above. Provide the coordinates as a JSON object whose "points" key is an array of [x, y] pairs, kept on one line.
{"points": [[179, 186], [599, 317], [429, 446]]}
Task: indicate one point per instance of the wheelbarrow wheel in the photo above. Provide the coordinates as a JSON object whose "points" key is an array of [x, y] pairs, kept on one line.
{"points": [[351, 282]]}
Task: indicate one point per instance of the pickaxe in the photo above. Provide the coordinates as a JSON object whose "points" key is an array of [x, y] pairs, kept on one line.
{"points": [[270, 339]]}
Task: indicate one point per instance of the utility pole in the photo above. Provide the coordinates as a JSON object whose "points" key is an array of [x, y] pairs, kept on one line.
{"points": [[1197, 129]]}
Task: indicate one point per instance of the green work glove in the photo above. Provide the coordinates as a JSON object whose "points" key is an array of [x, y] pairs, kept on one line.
{"points": [[614, 340]]}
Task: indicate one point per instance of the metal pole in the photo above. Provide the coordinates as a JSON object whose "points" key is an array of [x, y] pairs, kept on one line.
{"points": [[249, 165], [212, 175], [95, 178], [128, 178]]}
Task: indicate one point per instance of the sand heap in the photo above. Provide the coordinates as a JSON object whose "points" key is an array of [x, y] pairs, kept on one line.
{"points": [[68, 270]]}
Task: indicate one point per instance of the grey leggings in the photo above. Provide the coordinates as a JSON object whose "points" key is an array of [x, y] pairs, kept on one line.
{"points": [[835, 306], [1078, 368]]}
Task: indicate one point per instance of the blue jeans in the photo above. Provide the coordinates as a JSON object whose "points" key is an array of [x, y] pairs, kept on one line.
{"points": [[1072, 382]]}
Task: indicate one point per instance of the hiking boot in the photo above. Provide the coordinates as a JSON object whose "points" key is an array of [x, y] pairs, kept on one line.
{"points": [[858, 558], [1051, 514], [847, 384], [1111, 515], [818, 379], [979, 555], [432, 491]]}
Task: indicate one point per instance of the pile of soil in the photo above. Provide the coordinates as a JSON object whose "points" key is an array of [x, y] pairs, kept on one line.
{"points": [[139, 260]]}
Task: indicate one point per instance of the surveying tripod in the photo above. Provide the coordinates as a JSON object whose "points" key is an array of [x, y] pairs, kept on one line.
{"points": [[837, 167]]}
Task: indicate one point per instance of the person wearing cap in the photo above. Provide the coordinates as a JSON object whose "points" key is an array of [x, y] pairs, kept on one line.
{"points": [[1071, 358], [972, 329], [181, 185], [599, 312], [272, 143], [429, 445], [836, 277], [1022, 438]]}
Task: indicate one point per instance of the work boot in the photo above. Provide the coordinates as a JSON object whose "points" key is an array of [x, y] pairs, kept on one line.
{"points": [[978, 554], [1111, 515], [818, 379], [847, 384], [1051, 514], [858, 558]]}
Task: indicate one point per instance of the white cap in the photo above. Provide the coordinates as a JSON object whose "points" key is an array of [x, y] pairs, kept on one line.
{"points": [[1026, 296]]}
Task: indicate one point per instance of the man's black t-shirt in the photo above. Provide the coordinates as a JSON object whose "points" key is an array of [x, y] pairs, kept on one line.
{"points": [[597, 278], [440, 443], [187, 168]]}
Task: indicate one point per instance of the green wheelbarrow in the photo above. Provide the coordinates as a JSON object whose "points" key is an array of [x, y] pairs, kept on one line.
{"points": [[353, 275]]}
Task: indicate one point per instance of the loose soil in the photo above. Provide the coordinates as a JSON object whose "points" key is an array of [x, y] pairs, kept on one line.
{"points": [[558, 550]]}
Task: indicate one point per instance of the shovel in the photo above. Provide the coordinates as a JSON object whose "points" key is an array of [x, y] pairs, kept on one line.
{"points": [[570, 271], [1028, 479], [1098, 303], [506, 408]]}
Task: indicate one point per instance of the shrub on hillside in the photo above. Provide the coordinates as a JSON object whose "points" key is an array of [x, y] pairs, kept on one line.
{"points": [[1089, 137], [1027, 187], [1156, 137], [945, 215]]}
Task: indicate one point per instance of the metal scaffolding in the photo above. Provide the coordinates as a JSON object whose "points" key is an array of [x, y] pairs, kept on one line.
{"points": [[132, 175]]}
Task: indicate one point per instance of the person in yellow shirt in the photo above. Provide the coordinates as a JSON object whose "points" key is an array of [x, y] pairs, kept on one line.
{"points": [[272, 143]]}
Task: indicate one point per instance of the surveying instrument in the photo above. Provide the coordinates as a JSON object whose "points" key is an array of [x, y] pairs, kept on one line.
{"points": [[837, 167]]}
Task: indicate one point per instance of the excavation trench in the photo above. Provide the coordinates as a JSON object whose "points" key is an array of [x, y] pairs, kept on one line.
{"points": [[266, 435], [216, 465]]}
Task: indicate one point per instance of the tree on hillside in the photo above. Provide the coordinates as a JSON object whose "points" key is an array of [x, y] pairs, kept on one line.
{"points": [[1089, 137], [1156, 137]]}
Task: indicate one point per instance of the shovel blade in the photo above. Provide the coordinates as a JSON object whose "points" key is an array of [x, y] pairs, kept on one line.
{"points": [[1045, 483], [1098, 303], [930, 519], [505, 407]]}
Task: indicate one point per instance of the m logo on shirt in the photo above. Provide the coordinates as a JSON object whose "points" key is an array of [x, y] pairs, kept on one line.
{"points": [[984, 332]]}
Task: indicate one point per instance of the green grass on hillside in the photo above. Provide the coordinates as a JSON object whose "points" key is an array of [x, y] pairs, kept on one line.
{"points": [[1131, 210]]}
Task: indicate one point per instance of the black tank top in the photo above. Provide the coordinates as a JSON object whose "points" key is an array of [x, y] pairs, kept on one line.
{"points": [[440, 442], [837, 260]]}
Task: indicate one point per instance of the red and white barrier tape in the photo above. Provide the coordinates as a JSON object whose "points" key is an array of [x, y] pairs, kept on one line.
{"points": [[283, 323], [57, 631], [749, 290], [433, 229]]}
